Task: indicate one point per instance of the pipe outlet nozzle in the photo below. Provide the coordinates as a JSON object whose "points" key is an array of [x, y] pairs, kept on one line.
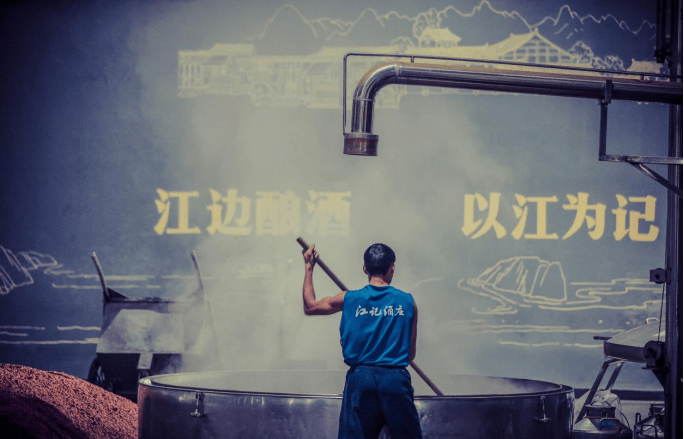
{"points": [[361, 144]]}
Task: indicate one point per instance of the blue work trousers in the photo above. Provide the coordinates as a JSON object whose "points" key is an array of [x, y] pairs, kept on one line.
{"points": [[375, 396]]}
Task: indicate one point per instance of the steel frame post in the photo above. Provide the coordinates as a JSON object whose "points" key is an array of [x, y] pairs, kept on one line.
{"points": [[673, 258]]}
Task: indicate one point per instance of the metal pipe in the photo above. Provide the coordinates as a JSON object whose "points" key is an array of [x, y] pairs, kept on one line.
{"points": [[362, 141]]}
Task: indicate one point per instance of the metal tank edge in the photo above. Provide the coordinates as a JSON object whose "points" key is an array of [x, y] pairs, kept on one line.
{"points": [[173, 409]]}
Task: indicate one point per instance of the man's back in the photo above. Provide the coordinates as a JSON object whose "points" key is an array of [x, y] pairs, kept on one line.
{"points": [[376, 326]]}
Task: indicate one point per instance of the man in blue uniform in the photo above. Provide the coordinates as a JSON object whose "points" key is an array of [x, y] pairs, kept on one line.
{"points": [[378, 338]]}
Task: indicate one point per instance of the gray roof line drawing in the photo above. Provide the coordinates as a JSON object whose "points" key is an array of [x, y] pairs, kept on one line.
{"points": [[313, 80]]}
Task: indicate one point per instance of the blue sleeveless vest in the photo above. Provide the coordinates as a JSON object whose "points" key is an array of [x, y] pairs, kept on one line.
{"points": [[376, 326]]}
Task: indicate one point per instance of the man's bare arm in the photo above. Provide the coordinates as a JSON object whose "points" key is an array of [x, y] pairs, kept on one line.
{"points": [[414, 332], [325, 306]]}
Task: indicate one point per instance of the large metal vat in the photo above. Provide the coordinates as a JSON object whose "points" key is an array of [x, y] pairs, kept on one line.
{"points": [[143, 336], [306, 404]]}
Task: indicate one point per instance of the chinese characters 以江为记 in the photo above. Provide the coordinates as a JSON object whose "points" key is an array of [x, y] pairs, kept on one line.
{"points": [[480, 216]]}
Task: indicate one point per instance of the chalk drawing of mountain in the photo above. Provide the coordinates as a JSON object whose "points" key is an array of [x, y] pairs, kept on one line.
{"points": [[607, 35], [530, 282], [530, 277], [289, 31]]}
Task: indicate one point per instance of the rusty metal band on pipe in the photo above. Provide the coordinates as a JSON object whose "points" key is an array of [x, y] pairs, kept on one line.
{"points": [[340, 285]]}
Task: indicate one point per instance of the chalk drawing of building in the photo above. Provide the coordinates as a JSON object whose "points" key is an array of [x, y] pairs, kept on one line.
{"points": [[438, 37], [314, 81]]}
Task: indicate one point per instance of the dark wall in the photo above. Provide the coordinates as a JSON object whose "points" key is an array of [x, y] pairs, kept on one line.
{"points": [[101, 136]]}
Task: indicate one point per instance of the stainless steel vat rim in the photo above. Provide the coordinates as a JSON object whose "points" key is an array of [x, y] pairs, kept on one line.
{"points": [[150, 382]]}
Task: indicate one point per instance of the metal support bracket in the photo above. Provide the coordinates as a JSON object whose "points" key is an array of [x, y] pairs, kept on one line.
{"points": [[607, 92], [636, 161], [657, 177], [654, 352], [542, 405], [660, 275], [199, 396]]}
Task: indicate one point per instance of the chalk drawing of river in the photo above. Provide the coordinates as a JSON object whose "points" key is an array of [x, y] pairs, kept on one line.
{"points": [[527, 301], [529, 282]]}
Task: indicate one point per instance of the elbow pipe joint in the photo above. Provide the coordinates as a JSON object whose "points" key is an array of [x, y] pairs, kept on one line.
{"points": [[361, 140]]}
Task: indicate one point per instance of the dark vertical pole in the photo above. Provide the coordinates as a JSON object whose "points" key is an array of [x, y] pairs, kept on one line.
{"points": [[603, 129], [673, 257], [661, 29]]}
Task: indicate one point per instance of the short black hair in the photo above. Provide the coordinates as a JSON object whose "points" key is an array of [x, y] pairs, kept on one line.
{"points": [[378, 258]]}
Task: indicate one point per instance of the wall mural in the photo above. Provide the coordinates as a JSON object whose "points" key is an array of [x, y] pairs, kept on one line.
{"points": [[174, 127]]}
